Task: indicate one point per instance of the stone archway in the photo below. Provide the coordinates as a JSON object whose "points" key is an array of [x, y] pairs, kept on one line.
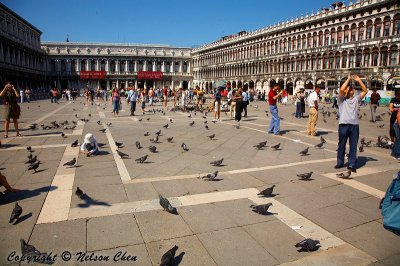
{"points": [[240, 84], [234, 84], [298, 84], [289, 86], [321, 82], [258, 85], [251, 84]]}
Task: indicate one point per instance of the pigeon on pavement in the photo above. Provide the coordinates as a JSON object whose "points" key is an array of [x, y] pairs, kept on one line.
{"points": [[319, 145], [27, 249], [305, 176], [259, 146], [16, 213], [361, 148], [304, 152], [184, 147], [308, 245], [322, 140], [29, 148], [32, 160], [170, 139], [210, 177], [158, 133], [71, 163], [103, 130], [75, 143], [34, 166], [261, 209], [344, 175], [146, 134], [138, 145], [267, 192], [63, 135], [276, 147], [152, 148], [121, 154], [166, 205], [168, 258], [165, 126], [141, 159], [119, 144], [211, 136], [218, 162], [155, 139], [192, 123], [79, 192]]}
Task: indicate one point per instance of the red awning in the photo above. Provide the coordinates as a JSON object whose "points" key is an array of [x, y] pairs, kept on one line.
{"points": [[150, 75], [92, 74]]}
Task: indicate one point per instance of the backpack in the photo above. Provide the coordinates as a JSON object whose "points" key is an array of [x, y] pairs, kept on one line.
{"points": [[390, 206]]}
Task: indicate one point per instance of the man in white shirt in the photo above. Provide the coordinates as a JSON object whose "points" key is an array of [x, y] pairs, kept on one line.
{"points": [[312, 101]]}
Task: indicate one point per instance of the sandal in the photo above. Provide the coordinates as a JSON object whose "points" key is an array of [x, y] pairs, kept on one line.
{"points": [[5, 136], [19, 135]]}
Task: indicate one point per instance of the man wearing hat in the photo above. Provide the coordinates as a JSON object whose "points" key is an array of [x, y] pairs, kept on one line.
{"points": [[89, 146]]}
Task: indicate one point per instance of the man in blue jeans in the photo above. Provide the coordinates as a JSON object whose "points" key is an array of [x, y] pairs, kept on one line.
{"points": [[273, 95], [348, 121]]}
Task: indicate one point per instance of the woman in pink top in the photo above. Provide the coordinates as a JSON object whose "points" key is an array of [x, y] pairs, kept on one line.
{"points": [[116, 101]]}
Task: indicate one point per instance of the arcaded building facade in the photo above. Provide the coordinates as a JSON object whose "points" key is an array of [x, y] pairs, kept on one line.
{"points": [[22, 60], [318, 48], [107, 65]]}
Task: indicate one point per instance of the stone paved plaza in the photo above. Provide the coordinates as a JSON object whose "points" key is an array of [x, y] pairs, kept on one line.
{"points": [[215, 225]]}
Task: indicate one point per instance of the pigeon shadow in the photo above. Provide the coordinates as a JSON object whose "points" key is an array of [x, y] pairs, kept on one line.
{"points": [[270, 196], [25, 194], [43, 134], [9, 145], [221, 165], [320, 133], [102, 153], [285, 131], [309, 179], [89, 201], [178, 259], [213, 180], [2, 168], [250, 119], [41, 170], [267, 213], [305, 154], [148, 162], [362, 160], [23, 218]]}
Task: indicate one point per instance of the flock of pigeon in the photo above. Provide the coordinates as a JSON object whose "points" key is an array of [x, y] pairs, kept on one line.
{"points": [[306, 245]]}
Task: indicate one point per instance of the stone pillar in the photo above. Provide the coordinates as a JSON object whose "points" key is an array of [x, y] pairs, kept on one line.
{"points": [[117, 85], [136, 83], [180, 66], [135, 69], [78, 65], [88, 65], [97, 65], [188, 67], [163, 67], [171, 69], [145, 65], [154, 65], [117, 67], [126, 68], [108, 84], [108, 67]]}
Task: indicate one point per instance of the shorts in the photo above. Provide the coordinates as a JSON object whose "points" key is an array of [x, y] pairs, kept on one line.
{"points": [[216, 106]]}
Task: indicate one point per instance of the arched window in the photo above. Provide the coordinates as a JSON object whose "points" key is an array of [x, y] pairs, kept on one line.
{"points": [[386, 26], [327, 37], [346, 34], [320, 38], [375, 57], [315, 40], [309, 40], [393, 55], [344, 59], [384, 56], [358, 58], [351, 59], [366, 57], [378, 28], [353, 32], [339, 35], [369, 29], [337, 60], [361, 31], [396, 24], [333, 36]]}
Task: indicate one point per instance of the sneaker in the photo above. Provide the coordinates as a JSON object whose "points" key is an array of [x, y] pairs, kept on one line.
{"points": [[353, 169], [338, 166]]}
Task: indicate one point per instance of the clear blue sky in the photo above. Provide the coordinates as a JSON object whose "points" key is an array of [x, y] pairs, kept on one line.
{"points": [[173, 22]]}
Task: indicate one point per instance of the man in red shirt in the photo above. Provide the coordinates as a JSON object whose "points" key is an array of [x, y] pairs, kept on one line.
{"points": [[273, 95], [165, 92]]}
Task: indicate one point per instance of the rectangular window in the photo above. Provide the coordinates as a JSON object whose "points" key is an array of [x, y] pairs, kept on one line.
{"points": [[393, 58]]}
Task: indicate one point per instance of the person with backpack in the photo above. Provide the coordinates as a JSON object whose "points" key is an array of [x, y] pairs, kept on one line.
{"points": [[375, 97], [390, 206]]}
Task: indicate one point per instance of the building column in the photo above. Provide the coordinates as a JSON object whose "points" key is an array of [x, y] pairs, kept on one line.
{"points": [[108, 67], [171, 69], [126, 68], [154, 65], [88, 64], [97, 65], [117, 84], [163, 67], [136, 83], [117, 67], [135, 69], [78, 65]]}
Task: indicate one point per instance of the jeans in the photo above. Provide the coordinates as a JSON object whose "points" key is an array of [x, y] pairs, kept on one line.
{"points": [[351, 132], [133, 107], [396, 145], [274, 125], [238, 111], [373, 111], [115, 107], [245, 103], [298, 109]]}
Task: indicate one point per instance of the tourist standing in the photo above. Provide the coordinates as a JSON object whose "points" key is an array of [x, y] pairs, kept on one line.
{"points": [[54, 93], [393, 107], [245, 102], [165, 94], [273, 95], [151, 96], [217, 104], [116, 101], [27, 94], [132, 99], [183, 98], [232, 106], [348, 121], [375, 97], [238, 99], [312, 101], [143, 100], [12, 109]]}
